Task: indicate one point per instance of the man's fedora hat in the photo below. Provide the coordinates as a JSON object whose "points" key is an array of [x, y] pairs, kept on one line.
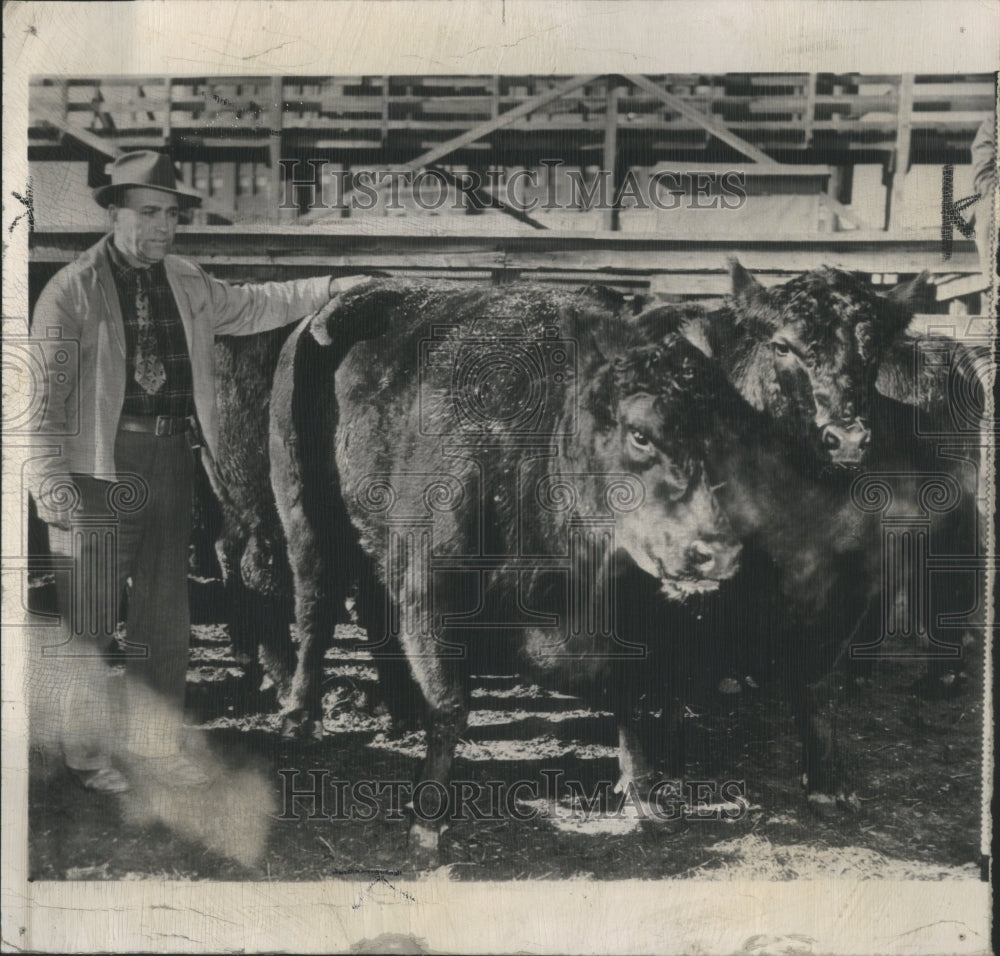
{"points": [[147, 169]]}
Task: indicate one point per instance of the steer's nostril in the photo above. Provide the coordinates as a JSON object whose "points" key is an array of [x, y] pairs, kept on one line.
{"points": [[701, 556], [831, 439]]}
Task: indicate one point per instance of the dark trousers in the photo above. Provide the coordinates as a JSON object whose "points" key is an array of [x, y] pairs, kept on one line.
{"points": [[137, 528]]}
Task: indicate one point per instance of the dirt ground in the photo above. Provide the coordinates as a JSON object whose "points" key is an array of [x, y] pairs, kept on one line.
{"points": [[915, 765]]}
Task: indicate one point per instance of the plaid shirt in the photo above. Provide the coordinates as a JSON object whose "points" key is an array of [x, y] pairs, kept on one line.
{"points": [[175, 397]]}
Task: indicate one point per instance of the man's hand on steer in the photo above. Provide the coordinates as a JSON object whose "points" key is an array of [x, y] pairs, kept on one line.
{"points": [[341, 284], [319, 324]]}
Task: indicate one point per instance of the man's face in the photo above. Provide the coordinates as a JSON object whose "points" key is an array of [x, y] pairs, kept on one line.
{"points": [[145, 225]]}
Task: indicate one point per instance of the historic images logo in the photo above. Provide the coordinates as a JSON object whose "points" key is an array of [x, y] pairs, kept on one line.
{"points": [[522, 190], [431, 801]]}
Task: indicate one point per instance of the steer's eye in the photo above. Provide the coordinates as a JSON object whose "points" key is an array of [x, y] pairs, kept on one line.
{"points": [[639, 440], [781, 349]]}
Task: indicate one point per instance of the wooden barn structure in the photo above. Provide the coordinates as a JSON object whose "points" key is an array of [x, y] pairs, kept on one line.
{"points": [[848, 170]]}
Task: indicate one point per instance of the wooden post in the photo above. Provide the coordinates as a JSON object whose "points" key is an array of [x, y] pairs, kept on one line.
{"points": [[833, 184], [611, 154], [810, 115], [385, 111], [167, 100], [274, 145], [838, 194], [901, 154]]}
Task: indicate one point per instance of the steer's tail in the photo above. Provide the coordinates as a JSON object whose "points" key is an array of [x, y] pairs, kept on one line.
{"points": [[309, 356]]}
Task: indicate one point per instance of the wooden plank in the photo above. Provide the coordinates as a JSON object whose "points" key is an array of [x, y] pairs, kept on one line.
{"points": [[947, 91], [968, 285], [777, 79], [876, 242], [751, 170], [442, 263], [611, 153], [335, 248], [708, 284], [504, 119], [901, 156], [643, 261], [348, 143], [555, 275], [929, 118], [716, 129], [342, 104]]}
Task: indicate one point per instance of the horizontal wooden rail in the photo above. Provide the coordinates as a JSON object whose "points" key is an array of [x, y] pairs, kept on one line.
{"points": [[609, 254]]}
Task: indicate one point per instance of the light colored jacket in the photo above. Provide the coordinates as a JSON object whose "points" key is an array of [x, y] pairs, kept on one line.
{"points": [[984, 158], [984, 178], [84, 383]]}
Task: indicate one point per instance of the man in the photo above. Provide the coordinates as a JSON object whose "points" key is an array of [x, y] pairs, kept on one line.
{"points": [[984, 178], [123, 422]]}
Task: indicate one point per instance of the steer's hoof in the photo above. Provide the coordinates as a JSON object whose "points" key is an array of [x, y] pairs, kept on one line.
{"points": [[298, 725], [422, 848]]}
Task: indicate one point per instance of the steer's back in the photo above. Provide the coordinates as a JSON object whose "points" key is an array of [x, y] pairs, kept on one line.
{"points": [[461, 390]]}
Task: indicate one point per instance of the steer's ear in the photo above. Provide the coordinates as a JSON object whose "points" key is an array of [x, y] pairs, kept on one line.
{"points": [[915, 294], [899, 305], [605, 295], [743, 284]]}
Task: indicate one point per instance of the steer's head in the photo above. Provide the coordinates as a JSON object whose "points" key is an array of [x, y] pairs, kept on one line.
{"points": [[649, 407], [820, 339]]}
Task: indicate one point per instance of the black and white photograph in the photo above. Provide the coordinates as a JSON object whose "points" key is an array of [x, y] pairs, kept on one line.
{"points": [[499, 477]]}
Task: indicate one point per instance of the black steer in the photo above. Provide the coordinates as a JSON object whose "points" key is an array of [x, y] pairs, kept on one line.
{"points": [[835, 363], [251, 546], [504, 469]]}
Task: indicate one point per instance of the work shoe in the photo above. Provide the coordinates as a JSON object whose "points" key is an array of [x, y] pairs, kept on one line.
{"points": [[103, 780], [175, 771]]}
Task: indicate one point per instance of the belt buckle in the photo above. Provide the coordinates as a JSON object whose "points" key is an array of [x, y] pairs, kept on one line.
{"points": [[163, 424]]}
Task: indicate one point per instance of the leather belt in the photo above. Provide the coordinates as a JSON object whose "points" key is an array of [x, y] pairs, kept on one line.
{"points": [[162, 426]]}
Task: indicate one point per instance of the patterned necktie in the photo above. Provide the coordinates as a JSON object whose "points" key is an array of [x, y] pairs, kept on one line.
{"points": [[149, 371]]}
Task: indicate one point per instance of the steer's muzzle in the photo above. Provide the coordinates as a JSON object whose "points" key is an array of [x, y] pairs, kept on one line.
{"points": [[715, 558], [847, 444]]}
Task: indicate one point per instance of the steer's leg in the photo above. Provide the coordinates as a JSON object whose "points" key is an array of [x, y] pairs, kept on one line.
{"points": [[320, 584], [316, 588], [446, 719], [636, 776], [396, 689], [820, 761], [956, 595], [640, 758], [246, 624]]}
